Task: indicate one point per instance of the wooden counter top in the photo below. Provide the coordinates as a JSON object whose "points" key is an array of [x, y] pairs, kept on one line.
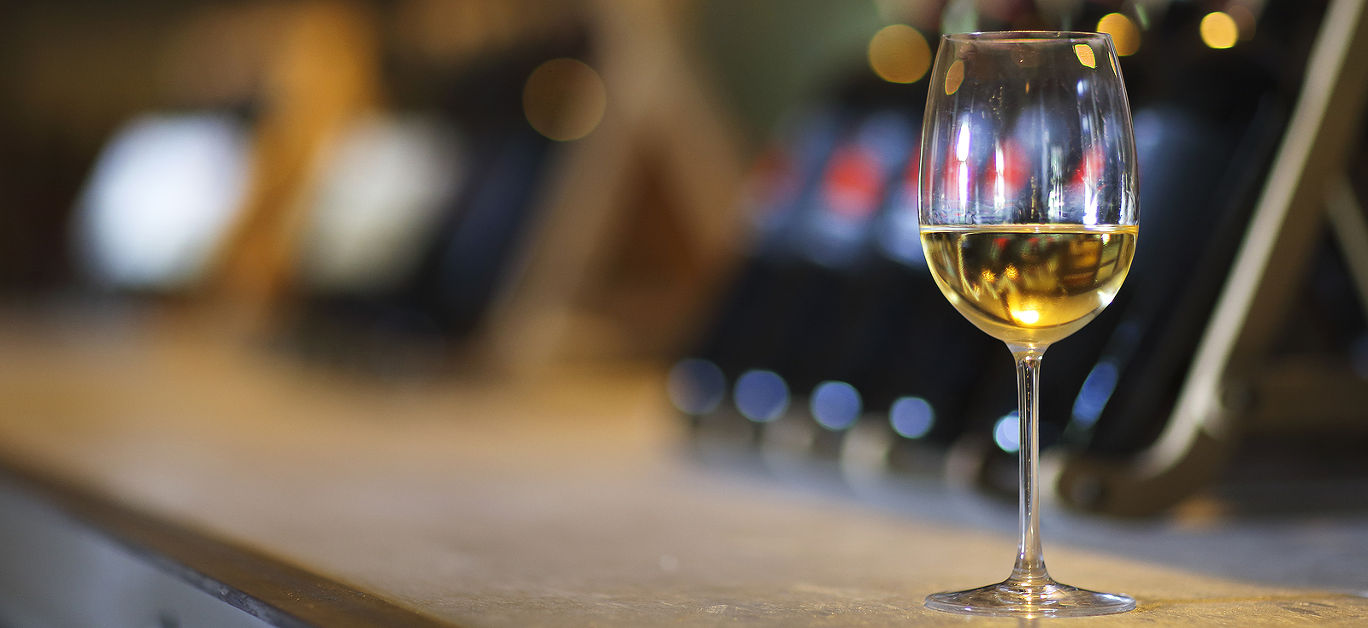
{"points": [[568, 500]]}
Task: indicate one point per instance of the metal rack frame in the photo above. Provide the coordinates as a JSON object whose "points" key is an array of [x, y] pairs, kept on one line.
{"points": [[1306, 186]]}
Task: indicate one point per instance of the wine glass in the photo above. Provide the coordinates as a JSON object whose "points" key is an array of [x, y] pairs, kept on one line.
{"points": [[1028, 222]]}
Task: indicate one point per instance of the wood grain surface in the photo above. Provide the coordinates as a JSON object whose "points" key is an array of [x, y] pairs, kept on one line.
{"points": [[474, 501]]}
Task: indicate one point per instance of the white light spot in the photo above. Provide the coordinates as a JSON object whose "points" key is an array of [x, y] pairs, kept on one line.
{"points": [[962, 142], [1007, 433]]}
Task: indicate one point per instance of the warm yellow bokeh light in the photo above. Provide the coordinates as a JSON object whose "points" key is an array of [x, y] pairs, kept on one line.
{"points": [[899, 54], [564, 99], [1124, 33], [1219, 30]]}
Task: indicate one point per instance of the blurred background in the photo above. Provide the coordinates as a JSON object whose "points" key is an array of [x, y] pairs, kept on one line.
{"points": [[720, 192]]}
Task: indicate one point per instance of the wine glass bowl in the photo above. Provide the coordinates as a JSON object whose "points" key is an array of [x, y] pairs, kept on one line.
{"points": [[1033, 284], [1029, 217]]}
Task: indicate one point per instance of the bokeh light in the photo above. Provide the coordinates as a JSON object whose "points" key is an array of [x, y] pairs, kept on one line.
{"points": [[835, 405], [912, 417], [1124, 33], [1219, 30], [1007, 433], [899, 53], [160, 198], [761, 396], [1097, 390], [696, 386], [564, 99]]}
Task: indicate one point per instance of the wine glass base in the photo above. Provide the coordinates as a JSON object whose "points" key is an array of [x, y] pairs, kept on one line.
{"points": [[1040, 599]]}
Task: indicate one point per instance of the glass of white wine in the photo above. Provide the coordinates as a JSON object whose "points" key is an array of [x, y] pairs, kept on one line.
{"points": [[1029, 216]]}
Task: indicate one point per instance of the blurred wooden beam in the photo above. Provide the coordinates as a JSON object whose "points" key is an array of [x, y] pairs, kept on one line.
{"points": [[324, 74], [658, 109]]}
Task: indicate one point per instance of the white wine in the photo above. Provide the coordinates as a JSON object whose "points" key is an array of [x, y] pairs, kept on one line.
{"points": [[1029, 285]]}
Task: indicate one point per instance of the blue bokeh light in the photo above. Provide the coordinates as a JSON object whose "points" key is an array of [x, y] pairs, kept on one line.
{"points": [[761, 395], [912, 417], [1007, 433], [835, 405], [696, 386]]}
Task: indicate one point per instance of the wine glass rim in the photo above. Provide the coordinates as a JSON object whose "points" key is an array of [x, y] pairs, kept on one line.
{"points": [[1027, 35]]}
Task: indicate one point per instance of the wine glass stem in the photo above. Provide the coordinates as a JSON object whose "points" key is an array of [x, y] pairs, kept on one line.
{"points": [[1030, 561]]}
